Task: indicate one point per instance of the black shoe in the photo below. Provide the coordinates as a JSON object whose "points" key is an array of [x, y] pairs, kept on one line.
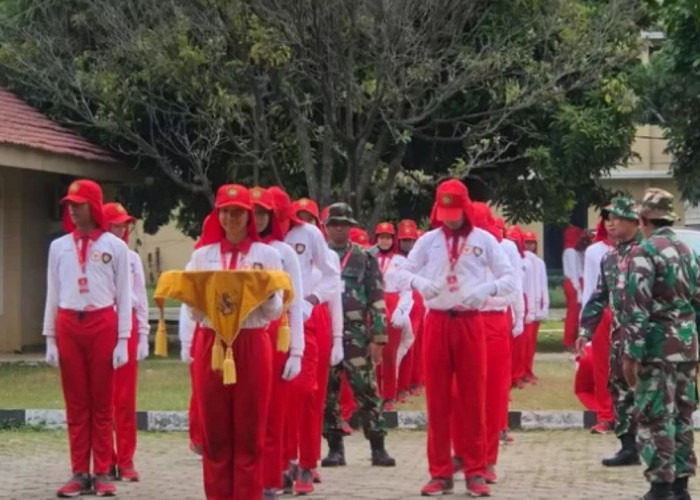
{"points": [[380, 457], [336, 452], [627, 455], [680, 489], [659, 491], [114, 473]]}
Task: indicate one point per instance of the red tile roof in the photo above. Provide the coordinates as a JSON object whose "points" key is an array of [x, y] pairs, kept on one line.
{"points": [[23, 125]]}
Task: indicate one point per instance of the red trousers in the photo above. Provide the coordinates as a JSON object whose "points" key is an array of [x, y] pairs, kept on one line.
{"points": [[573, 310], [455, 351], [601, 368], [584, 383], [531, 347], [273, 452], [233, 417], [124, 445], [497, 326], [519, 348], [411, 369], [193, 413], [387, 371], [86, 342], [305, 413]]}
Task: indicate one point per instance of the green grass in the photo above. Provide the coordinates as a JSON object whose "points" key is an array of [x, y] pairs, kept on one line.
{"points": [[556, 297], [163, 385]]}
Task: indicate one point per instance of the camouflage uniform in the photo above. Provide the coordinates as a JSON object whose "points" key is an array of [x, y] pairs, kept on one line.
{"points": [[608, 293], [363, 310], [659, 332]]}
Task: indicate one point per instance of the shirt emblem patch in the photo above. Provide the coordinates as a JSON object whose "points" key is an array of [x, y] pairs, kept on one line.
{"points": [[300, 248], [106, 258]]}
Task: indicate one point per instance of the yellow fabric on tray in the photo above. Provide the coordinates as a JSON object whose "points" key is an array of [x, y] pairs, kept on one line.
{"points": [[226, 298]]}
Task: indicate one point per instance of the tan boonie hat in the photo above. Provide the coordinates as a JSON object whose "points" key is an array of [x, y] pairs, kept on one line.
{"points": [[657, 204]]}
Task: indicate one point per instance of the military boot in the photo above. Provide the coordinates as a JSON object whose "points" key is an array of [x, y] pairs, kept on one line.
{"points": [[380, 456], [680, 489], [659, 491], [627, 455], [336, 452]]}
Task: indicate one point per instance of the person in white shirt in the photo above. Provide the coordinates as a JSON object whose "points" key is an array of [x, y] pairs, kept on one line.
{"points": [[519, 342], [233, 417], [323, 327], [456, 267], [118, 221], [600, 347], [572, 262], [539, 303], [398, 308], [87, 275], [497, 313], [272, 226]]}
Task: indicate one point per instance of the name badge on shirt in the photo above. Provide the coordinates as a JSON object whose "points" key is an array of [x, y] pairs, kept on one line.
{"points": [[83, 285], [452, 283]]}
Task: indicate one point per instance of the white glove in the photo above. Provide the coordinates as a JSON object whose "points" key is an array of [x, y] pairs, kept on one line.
{"points": [[292, 368], [579, 296], [337, 352], [185, 349], [428, 289], [544, 314], [306, 309], [474, 298], [120, 356], [530, 318], [51, 351], [518, 329], [196, 315], [407, 339], [142, 351], [400, 318]]}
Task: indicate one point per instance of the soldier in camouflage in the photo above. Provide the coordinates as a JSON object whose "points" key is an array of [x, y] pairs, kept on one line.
{"points": [[609, 291], [661, 347], [363, 337]]}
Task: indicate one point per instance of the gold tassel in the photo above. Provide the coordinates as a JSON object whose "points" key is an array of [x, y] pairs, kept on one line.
{"points": [[284, 334], [161, 347], [229, 368], [217, 355]]}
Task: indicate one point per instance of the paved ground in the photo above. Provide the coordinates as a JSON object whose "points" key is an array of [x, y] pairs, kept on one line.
{"points": [[539, 465]]}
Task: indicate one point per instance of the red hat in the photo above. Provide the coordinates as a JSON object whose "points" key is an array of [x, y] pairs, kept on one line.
{"points": [[115, 213], [324, 214], [451, 202], [408, 230], [283, 210], [228, 195], [515, 234], [572, 235], [483, 219], [385, 228], [529, 237], [359, 236], [84, 191], [306, 205]]}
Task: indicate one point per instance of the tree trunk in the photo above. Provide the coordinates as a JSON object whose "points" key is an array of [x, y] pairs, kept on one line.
{"points": [[385, 192]]}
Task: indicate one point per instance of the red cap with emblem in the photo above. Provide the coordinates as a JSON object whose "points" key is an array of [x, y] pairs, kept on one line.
{"points": [[359, 236], [483, 219], [408, 230], [385, 228], [283, 210], [451, 203], [228, 195], [264, 198], [84, 191], [115, 213], [515, 234], [306, 205]]}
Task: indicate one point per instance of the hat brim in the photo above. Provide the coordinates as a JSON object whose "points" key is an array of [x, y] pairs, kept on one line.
{"points": [[122, 219], [266, 206], [659, 215], [444, 214], [74, 198], [341, 220], [626, 216], [239, 204]]}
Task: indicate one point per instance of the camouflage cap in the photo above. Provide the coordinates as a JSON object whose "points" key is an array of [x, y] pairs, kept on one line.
{"points": [[339, 213], [658, 204], [623, 207]]}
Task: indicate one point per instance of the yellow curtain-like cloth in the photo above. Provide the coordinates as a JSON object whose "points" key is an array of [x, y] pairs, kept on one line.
{"points": [[226, 298]]}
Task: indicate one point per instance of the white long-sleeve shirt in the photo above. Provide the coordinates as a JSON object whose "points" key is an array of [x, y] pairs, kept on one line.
{"points": [[532, 286], [260, 255], [310, 246], [290, 264], [591, 269], [108, 276], [572, 262], [480, 252], [389, 265], [515, 299], [139, 298]]}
